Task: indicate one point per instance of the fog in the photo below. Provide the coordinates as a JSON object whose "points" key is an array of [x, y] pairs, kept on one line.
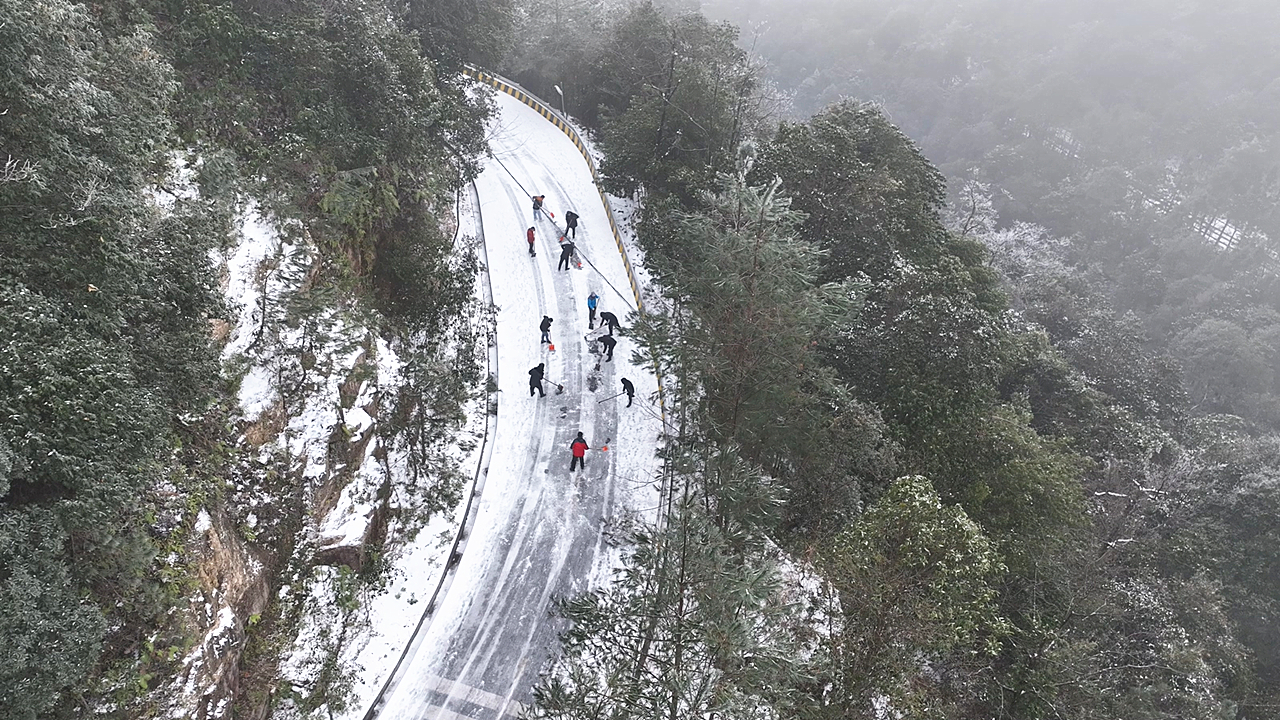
{"points": [[1182, 98]]}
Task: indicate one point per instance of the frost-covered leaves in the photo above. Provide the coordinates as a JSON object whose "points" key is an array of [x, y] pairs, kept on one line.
{"points": [[104, 293], [1223, 525], [84, 112], [691, 627], [917, 583], [1144, 647], [749, 285], [52, 634]]}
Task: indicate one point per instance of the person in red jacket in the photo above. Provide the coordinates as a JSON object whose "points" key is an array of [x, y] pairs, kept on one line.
{"points": [[530, 236], [579, 448]]}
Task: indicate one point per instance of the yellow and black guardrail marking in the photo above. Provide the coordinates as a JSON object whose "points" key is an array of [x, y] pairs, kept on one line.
{"points": [[545, 111]]}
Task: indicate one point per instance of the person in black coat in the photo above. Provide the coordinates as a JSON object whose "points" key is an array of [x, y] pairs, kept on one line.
{"points": [[535, 380], [571, 224], [566, 253], [609, 342], [608, 318], [545, 327], [579, 449], [629, 389]]}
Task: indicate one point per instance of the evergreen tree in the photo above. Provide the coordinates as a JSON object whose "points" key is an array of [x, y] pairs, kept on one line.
{"points": [[681, 111], [104, 294], [697, 623], [916, 617], [454, 33], [562, 43], [871, 197], [743, 339]]}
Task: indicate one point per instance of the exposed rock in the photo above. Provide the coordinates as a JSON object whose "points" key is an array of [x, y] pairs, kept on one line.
{"points": [[267, 427], [334, 555], [219, 330], [233, 588]]}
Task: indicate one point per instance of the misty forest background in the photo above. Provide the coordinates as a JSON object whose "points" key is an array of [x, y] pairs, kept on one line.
{"points": [[971, 331]]}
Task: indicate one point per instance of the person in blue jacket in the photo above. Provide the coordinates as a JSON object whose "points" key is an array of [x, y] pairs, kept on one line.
{"points": [[592, 300]]}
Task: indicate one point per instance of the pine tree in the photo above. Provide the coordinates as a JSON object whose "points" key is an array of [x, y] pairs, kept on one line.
{"points": [[748, 310], [698, 623]]}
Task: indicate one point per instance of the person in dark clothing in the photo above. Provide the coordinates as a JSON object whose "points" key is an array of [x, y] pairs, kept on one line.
{"points": [[566, 253], [608, 318], [579, 449], [529, 235], [592, 301], [535, 380], [537, 205], [571, 224], [545, 327], [629, 389], [609, 342]]}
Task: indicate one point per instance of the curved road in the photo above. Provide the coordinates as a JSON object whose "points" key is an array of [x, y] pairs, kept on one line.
{"points": [[538, 531]]}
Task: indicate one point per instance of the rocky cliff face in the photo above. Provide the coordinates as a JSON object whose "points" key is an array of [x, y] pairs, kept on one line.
{"points": [[310, 383], [348, 443], [233, 588]]}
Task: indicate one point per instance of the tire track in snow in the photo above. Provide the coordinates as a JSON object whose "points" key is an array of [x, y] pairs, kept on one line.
{"points": [[496, 631], [484, 652], [490, 620]]}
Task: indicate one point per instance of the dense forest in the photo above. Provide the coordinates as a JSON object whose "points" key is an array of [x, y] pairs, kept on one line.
{"points": [[1011, 412], [1141, 132], [967, 416], [132, 134]]}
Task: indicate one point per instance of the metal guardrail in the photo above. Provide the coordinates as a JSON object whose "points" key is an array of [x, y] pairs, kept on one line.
{"points": [[545, 110], [477, 484]]}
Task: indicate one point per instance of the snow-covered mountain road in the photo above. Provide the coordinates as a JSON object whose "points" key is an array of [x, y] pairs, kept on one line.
{"points": [[539, 532]]}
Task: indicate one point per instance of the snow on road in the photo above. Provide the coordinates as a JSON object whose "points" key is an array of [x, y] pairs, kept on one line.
{"points": [[539, 532]]}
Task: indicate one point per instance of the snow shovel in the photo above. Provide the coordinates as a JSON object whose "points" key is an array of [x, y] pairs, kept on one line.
{"points": [[624, 392], [559, 387]]}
